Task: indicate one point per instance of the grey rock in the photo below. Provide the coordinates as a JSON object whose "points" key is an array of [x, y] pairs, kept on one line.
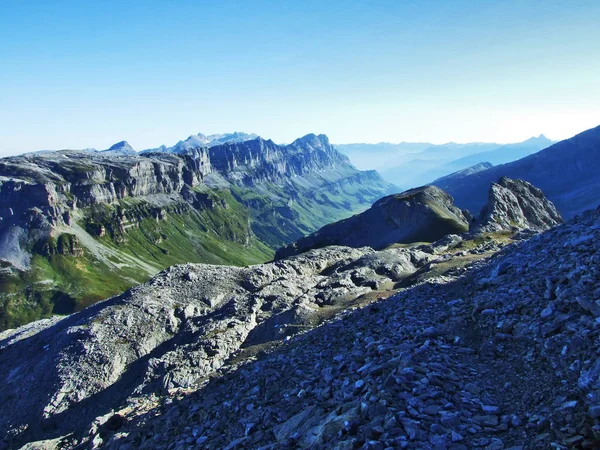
{"points": [[516, 205], [428, 370]]}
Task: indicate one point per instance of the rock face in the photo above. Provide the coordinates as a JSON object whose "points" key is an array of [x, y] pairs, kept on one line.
{"points": [[421, 214], [517, 205], [497, 354], [42, 188], [134, 214], [567, 173]]}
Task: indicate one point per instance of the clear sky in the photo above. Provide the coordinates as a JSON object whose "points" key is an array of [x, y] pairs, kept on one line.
{"points": [[76, 74]]}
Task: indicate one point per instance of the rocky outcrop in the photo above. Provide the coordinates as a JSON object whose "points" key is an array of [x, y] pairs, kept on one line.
{"points": [[517, 205], [422, 214]]}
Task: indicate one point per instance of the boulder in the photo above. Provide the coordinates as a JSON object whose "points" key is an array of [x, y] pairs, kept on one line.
{"points": [[517, 205]]}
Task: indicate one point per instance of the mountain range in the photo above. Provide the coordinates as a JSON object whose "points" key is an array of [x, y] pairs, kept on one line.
{"points": [[567, 172], [79, 226], [202, 140], [409, 165]]}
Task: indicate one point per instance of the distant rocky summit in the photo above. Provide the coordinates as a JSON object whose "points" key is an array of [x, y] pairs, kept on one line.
{"points": [[517, 205], [120, 149], [422, 214]]}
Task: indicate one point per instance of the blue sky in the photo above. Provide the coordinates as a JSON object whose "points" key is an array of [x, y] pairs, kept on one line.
{"points": [[76, 74]]}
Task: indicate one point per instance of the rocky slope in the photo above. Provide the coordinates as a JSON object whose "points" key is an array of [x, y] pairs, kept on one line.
{"points": [[422, 214], [516, 205], [79, 226], [175, 330], [567, 172], [474, 352], [502, 355]]}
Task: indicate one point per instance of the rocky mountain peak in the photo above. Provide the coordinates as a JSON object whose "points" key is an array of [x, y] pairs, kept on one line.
{"points": [[517, 205], [541, 139], [121, 148], [313, 141], [122, 145]]}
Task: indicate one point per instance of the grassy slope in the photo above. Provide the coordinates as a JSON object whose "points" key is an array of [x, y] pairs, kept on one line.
{"points": [[283, 217]]}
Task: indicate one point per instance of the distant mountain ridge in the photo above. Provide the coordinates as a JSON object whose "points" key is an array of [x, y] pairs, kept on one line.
{"points": [[376, 156], [465, 172], [440, 160], [503, 154], [202, 140], [410, 165], [567, 173], [193, 141]]}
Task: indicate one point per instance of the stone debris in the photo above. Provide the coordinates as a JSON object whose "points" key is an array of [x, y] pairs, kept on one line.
{"points": [[176, 330], [419, 369]]}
